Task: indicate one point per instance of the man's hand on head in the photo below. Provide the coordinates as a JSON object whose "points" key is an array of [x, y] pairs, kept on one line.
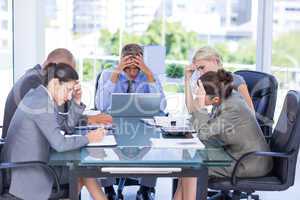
{"points": [[138, 60], [77, 92], [125, 62]]}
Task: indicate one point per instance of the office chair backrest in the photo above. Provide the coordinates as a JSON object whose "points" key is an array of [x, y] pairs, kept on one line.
{"points": [[286, 138], [262, 88], [96, 88], [1, 173]]}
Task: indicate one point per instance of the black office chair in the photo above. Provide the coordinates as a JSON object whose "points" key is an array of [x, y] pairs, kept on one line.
{"points": [[4, 179], [96, 88], [284, 150], [262, 88]]}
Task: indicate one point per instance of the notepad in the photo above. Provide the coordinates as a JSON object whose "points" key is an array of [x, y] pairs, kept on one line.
{"points": [[108, 140], [193, 143]]}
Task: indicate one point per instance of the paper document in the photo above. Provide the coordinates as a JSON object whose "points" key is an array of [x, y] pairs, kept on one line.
{"points": [[193, 143], [167, 121], [162, 121], [91, 112], [108, 140], [148, 121]]}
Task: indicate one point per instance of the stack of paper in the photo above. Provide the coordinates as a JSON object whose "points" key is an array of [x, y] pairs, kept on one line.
{"points": [[194, 143], [167, 121]]}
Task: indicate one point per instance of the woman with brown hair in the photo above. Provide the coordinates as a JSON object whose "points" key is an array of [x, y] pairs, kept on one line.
{"points": [[232, 122]]}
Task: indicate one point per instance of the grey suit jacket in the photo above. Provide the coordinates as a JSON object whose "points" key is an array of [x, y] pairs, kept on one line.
{"points": [[33, 131], [235, 125], [31, 80]]}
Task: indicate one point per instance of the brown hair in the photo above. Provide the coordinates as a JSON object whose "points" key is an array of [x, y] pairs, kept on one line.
{"points": [[63, 72], [218, 84], [132, 49]]}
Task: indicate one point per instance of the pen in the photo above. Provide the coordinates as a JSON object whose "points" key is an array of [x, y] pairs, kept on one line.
{"points": [[187, 143]]}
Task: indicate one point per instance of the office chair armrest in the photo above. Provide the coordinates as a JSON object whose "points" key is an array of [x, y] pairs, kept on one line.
{"points": [[10, 165], [2, 141], [257, 153]]}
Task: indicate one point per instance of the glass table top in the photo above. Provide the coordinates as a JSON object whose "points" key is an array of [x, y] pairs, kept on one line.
{"points": [[134, 149]]}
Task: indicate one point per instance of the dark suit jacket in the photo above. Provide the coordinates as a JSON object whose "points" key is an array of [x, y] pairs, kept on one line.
{"points": [[30, 80]]}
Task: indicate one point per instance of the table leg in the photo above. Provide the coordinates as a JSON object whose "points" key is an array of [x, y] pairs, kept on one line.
{"points": [[73, 185], [202, 184]]}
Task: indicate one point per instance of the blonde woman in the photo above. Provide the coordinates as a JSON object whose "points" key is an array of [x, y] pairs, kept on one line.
{"points": [[207, 59]]}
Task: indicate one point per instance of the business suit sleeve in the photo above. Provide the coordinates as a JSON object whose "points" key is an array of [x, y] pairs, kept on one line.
{"points": [[221, 127], [71, 116], [49, 127], [156, 87], [104, 91]]}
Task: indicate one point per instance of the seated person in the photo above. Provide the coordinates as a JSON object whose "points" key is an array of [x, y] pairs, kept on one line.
{"points": [[232, 122], [34, 131], [207, 59], [33, 78], [132, 75]]}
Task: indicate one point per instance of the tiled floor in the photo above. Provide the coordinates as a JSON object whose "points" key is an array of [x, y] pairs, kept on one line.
{"points": [[164, 190]]}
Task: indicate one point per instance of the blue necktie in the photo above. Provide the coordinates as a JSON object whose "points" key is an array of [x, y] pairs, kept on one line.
{"points": [[130, 88]]}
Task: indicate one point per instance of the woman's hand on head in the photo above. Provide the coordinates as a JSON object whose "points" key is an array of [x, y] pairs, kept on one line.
{"points": [[189, 70], [96, 135], [200, 95]]}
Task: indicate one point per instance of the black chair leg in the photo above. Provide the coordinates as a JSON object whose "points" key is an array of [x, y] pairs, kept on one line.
{"points": [[255, 197], [174, 186], [236, 195], [120, 188], [215, 196]]}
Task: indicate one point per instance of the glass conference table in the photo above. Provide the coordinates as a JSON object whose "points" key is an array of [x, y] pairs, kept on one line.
{"points": [[134, 157]]}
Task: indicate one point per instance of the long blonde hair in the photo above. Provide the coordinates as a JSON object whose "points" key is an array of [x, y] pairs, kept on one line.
{"points": [[207, 53]]}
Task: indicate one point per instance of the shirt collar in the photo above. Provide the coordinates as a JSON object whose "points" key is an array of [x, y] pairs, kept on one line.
{"points": [[123, 77], [38, 68]]}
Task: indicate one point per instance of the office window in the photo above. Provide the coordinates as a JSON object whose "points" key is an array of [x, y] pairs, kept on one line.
{"points": [[285, 48], [6, 56], [96, 30], [4, 5]]}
